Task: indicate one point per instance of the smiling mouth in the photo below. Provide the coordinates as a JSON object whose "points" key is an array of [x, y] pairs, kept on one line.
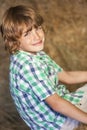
{"points": [[38, 43]]}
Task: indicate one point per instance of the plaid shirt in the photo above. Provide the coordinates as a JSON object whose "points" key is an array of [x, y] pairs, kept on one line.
{"points": [[32, 79]]}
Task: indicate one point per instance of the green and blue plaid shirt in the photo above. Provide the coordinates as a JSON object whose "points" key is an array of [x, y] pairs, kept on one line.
{"points": [[32, 79]]}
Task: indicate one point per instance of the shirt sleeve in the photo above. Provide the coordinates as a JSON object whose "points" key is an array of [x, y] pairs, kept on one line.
{"points": [[33, 78]]}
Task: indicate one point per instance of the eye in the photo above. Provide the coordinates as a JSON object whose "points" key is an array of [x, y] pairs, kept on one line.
{"points": [[39, 27], [27, 33]]}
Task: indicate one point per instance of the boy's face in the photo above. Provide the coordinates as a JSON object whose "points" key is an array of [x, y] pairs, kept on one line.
{"points": [[32, 40]]}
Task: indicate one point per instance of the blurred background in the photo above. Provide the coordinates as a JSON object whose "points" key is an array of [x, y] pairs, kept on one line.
{"points": [[66, 43]]}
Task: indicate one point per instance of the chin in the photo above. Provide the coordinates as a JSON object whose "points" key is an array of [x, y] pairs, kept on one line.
{"points": [[40, 48]]}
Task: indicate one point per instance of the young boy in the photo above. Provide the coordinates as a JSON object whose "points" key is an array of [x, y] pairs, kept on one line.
{"points": [[41, 100]]}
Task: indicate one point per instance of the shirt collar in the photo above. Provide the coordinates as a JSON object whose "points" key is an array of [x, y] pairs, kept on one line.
{"points": [[37, 55]]}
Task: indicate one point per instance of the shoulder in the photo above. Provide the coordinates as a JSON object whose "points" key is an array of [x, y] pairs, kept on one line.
{"points": [[21, 58], [19, 62]]}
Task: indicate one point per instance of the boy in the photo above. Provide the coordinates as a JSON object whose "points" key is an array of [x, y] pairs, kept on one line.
{"points": [[42, 102]]}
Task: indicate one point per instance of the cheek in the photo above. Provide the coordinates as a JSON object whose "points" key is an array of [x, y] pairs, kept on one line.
{"points": [[43, 35], [43, 39]]}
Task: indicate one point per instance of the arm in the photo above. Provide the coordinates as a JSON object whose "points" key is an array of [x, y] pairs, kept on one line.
{"points": [[64, 107], [72, 77]]}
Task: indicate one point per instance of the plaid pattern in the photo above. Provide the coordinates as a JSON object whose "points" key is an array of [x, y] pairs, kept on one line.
{"points": [[32, 79]]}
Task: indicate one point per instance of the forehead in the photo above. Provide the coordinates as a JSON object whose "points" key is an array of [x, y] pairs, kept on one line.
{"points": [[27, 24]]}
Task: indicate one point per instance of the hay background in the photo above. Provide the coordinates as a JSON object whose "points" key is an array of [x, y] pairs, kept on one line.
{"points": [[66, 43]]}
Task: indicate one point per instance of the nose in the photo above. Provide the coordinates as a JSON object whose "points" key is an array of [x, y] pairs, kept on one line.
{"points": [[36, 34]]}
